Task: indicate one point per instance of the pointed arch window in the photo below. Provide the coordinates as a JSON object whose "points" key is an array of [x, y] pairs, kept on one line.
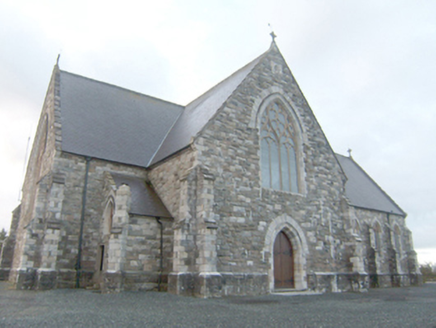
{"points": [[278, 147], [375, 237], [108, 216]]}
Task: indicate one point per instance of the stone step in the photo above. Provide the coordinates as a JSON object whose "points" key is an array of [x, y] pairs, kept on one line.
{"points": [[294, 292]]}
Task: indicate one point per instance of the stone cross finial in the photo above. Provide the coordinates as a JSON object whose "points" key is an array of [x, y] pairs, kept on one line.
{"points": [[273, 35]]}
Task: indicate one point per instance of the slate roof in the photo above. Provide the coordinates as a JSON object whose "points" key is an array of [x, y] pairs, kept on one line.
{"points": [[198, 113], [363, 192], [145, 201], [108, 122]]}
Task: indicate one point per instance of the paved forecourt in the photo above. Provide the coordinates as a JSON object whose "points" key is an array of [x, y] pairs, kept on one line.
{"points": [[393, 307]]}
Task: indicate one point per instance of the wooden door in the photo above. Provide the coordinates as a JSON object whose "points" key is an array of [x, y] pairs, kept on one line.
{"points": [[283, 262]]}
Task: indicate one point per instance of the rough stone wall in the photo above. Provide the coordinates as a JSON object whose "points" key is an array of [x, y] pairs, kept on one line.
{"points": [[46, 143], [130, 245], [229, 149], [143, 253], [166, 178], [143, 245], [74, 169], [56, 245], [392, 260]]}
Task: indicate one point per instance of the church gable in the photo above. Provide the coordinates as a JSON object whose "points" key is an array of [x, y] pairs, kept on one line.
{"points": [[268, 116], [271, 164]]}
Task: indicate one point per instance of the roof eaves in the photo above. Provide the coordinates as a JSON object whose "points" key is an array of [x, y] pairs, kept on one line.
{"points": [[152, 215], [103, 159], [401, 212]]}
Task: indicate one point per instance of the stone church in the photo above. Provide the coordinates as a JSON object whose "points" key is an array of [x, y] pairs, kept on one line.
{"points": [[237, 193]]}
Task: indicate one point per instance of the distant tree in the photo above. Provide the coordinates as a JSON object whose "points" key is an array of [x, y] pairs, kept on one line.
{"points": [[3, 234], [2, 237], [427, 271]]}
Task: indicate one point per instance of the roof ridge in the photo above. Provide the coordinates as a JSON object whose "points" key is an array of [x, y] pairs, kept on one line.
{"points": [[230, 76], [197, 102], [121, 88]]}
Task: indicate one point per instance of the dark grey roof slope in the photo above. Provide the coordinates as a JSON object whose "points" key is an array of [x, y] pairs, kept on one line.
{"points": [[108, 122], [145, 201], [198, 113], [363, 192]]}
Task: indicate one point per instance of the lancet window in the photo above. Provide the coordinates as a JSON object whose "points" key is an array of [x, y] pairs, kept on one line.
{"points": [[278, 149], [375, 236]]}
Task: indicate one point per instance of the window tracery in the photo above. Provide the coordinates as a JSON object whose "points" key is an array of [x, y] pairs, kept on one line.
{"points": [[279, 167]]}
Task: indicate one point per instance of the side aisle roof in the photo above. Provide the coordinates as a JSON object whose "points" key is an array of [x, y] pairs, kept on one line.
{"points": [[145, 201], [363, 192]]}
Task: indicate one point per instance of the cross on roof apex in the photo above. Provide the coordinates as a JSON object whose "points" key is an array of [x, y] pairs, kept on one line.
{"points": [[273, 35]]}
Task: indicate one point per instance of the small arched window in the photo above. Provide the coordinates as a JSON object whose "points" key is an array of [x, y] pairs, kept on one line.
{"points": [[108, 215], [376, 237], [278, 147]]}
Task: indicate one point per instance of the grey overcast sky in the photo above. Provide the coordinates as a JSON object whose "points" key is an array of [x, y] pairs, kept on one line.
{"points": [[366, 67]]}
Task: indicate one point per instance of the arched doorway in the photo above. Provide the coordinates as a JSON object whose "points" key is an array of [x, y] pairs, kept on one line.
{"points": [[283, 262]]}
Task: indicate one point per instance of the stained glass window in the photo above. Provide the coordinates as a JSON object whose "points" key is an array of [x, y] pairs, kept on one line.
{"points": [[278, 150]]}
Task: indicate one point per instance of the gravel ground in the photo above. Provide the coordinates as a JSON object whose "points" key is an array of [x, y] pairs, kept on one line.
{"points": [[395, 307]]}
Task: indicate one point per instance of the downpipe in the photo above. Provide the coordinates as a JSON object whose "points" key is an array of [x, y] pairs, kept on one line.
{"points": [[78, 265]]}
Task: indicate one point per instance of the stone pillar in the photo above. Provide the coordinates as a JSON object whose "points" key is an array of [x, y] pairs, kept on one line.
{"points": [[396, 245], [31, 239], [206, 240], [114, 275], [181, 279], [209, 280], [415, 275], [357, 259], [195, 256], [359, 278], [47, 271]]}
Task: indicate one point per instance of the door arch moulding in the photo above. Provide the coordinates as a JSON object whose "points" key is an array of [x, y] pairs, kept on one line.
{"points": [[296, 236]]}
